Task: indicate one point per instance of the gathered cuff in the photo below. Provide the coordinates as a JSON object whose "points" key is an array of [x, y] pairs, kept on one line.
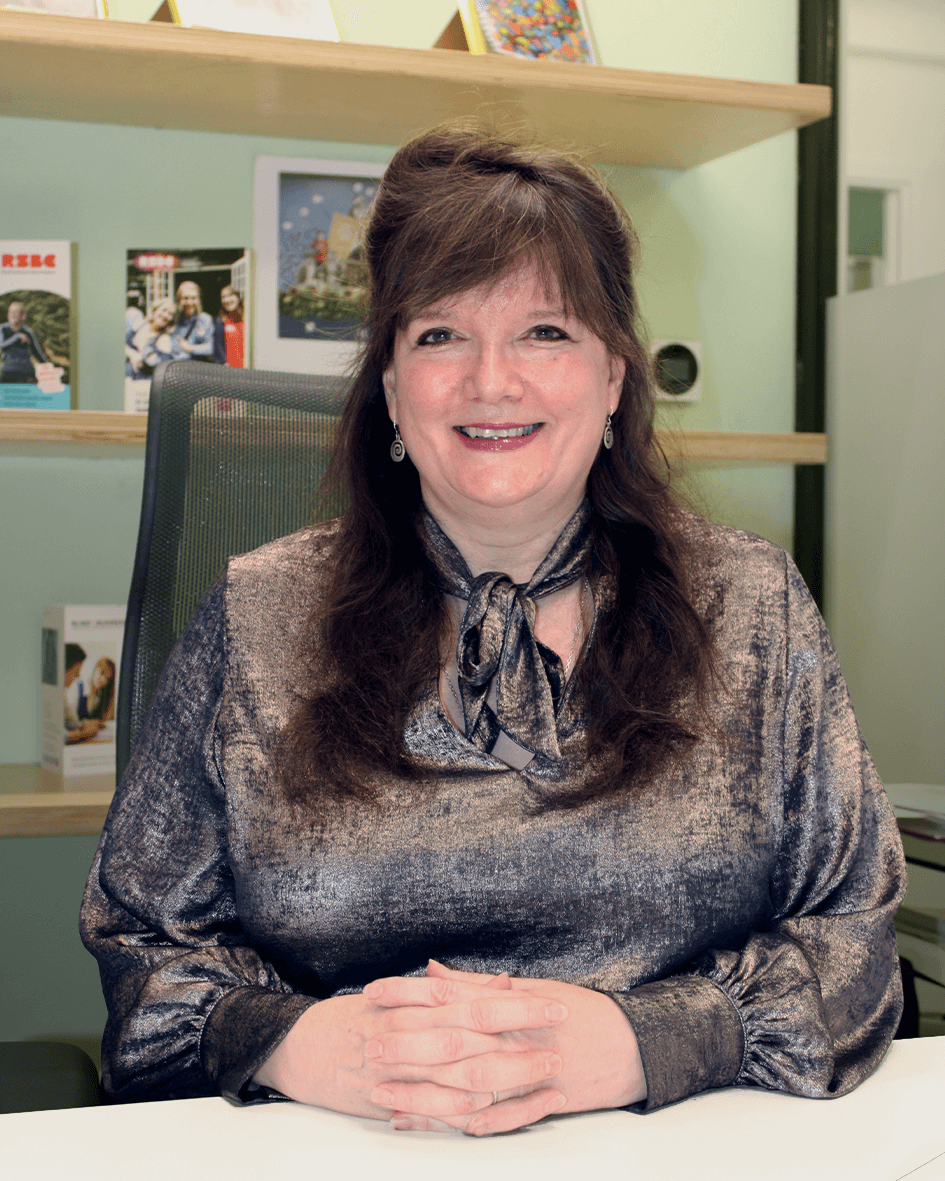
{"points": [[243, 1029], [690, 1037]]}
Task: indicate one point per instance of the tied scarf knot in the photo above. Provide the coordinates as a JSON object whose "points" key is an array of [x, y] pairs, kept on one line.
{"points": [[497, 645]]}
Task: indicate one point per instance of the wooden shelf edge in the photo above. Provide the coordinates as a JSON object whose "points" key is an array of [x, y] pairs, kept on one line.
{"points": [[222, 82], [45, 814], [122, 430], [73, 426], [743, 447], [150, 38]]}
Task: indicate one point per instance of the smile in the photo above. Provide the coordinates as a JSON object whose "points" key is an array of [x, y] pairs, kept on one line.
{"points": [[490, 432]]}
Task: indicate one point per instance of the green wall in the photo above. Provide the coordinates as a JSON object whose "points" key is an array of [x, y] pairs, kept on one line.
{"points": [[717, 266]]}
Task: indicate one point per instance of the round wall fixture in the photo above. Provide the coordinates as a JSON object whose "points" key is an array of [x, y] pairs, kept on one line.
{"points": [[678, 365]]}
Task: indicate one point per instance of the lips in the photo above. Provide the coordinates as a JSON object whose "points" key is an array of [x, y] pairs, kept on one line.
{"points": [[498, 432]]}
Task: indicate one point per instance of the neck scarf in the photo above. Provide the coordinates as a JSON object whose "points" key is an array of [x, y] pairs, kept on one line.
{"points": [[497, 638]]}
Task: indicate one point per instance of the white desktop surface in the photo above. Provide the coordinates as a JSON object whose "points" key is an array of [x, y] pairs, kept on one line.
{"points": [[891, 1127]]}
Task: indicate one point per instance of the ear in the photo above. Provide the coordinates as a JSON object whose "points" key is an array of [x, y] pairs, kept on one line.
{"points": [[618, 368], [390, 392]]}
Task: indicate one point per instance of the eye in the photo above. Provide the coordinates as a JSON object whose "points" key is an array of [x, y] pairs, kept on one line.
{"points": [[547, 332], [435, 336]]}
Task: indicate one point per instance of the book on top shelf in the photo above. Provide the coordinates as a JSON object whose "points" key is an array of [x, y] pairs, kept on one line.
{"points": [[96, 9], [37, 325], [184, 304], [554, 30], [312, 19], [81, 656]]}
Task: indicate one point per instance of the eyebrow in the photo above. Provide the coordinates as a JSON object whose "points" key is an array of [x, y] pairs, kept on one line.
{"points": [[443, 311]]}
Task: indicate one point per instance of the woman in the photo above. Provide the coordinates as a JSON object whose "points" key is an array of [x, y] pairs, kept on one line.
{"points": [[150, 344], [517, 789], [192, 334], [229, 330], [100, 701]]}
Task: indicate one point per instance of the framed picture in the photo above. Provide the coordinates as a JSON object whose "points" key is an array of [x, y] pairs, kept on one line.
{"points": [[311, 291]]}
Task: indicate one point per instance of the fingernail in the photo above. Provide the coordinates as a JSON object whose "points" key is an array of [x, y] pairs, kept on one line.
{"points": [[373, 1049], [555, 1012], [431, 960], [553, 1065], [555, 1102], [401, 1125], [382, 1097], [374, 990]]}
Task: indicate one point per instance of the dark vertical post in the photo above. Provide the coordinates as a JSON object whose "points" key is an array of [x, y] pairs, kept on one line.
{"points": [[818, 163]]}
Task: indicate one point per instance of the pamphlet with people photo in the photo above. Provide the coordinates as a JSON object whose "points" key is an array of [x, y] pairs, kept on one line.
{"points": [[37, 325], [81, 655], [184, 305]]}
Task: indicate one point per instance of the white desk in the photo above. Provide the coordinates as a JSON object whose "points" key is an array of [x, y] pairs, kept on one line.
{"points": [[891, 1127]]}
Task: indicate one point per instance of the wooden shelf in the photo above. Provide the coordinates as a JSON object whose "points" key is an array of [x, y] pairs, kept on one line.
{"points": [[101, 427], [151, 75], [26, 810]]}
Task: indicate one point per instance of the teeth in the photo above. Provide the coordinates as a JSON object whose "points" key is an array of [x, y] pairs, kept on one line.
{"points": [[488, 432]]}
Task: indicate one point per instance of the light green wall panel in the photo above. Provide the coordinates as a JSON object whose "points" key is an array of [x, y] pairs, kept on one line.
{"points": [[49, 984]]}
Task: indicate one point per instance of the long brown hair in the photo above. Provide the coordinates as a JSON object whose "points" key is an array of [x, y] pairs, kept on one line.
{"points": [[458, 209]]}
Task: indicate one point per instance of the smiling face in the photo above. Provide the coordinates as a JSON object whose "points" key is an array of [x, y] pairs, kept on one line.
{"points": [[501, 400], [161, 316], [229, 299], [188, 299], [102, 673]]}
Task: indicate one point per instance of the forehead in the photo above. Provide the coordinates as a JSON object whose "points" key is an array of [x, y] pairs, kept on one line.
{"points": [[525, 287]]}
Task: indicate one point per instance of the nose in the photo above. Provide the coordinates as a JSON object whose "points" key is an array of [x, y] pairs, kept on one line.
{"points": [[494, 375]]}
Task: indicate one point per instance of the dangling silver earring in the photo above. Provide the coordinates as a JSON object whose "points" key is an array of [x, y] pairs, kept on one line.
{"points": [[397, 448], [608, 434]]}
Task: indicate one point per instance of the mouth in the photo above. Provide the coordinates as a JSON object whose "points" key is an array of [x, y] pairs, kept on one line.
{"points": [[497, 432]]}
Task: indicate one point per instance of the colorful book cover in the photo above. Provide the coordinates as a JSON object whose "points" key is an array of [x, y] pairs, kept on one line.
{"points": [[557, 30], [184, 304], [37, 325], [81, 656]]}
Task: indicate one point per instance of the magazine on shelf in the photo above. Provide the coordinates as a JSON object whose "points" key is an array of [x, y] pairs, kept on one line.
{"points": [[81, 656], [184, 304], [554, 30], [37, 324], [311, 19], [96, 9]]}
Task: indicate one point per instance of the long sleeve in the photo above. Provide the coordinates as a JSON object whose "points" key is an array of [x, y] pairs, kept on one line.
{"points": [[809, 1003], [192, 1008]]}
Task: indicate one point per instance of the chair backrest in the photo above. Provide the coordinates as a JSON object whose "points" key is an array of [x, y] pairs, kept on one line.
{"points": [[233, 459]]}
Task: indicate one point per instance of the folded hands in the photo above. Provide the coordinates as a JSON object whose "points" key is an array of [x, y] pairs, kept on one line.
{"points": [[460, 1050]]}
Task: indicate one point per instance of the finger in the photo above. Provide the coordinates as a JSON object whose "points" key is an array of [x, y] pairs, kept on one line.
{"points": [[429, 1047], [505, 1116], [470, 1006], [428, 1099], [519, 1071], [494, 1013], [462, 1087], [435, 968], [515, 1113]]}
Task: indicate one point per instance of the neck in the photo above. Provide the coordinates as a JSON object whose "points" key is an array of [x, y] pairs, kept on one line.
{"points": [[509, 544]]}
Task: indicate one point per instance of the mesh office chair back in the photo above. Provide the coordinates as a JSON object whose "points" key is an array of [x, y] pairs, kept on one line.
{"points": [[234, 458]]}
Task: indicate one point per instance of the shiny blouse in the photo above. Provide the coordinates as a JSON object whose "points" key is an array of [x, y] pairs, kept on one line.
{"points": [[739, 908]]}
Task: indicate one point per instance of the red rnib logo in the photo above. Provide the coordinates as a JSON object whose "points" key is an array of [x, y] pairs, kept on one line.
{"points": [[35, 261]]}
